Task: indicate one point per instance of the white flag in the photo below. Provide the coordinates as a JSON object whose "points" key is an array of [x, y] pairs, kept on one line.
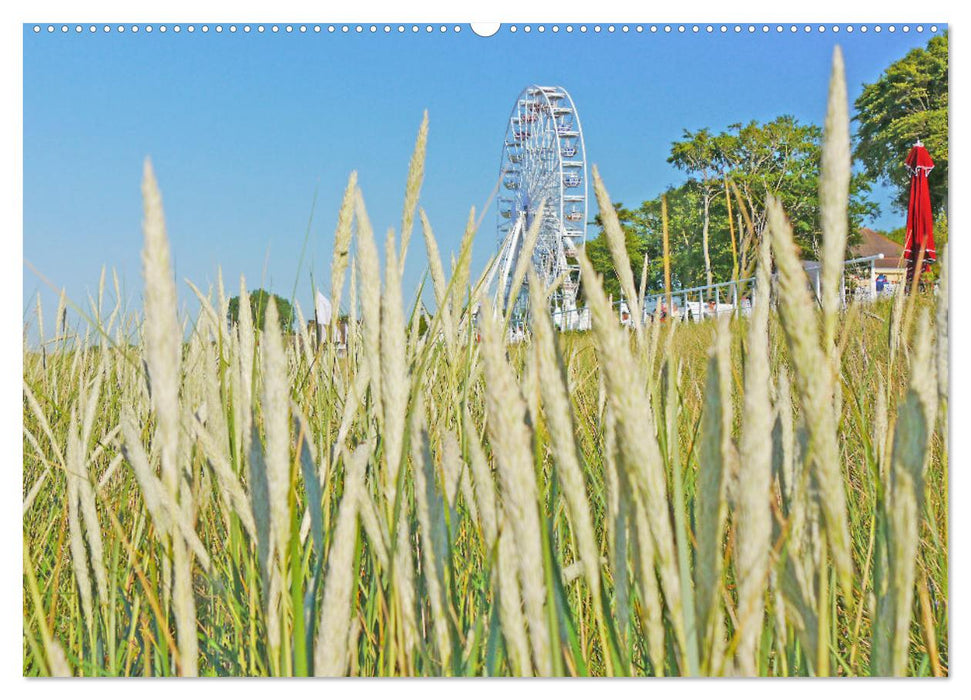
{"points": [[323, 309]]}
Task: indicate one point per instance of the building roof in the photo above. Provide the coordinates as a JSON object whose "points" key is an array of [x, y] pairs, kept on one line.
{"points": [[875, 243]]}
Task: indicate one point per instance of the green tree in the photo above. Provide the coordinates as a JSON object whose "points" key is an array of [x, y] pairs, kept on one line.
{"points": [[909, 101], [258, 301], [780, 157], [637, 243], [702, 156], [690, 264]]}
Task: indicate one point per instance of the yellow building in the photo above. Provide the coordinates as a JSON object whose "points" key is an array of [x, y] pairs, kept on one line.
{"points": [[892, 265]]}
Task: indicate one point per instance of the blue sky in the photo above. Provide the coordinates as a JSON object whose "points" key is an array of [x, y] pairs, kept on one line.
{"points": [[244, 129]]}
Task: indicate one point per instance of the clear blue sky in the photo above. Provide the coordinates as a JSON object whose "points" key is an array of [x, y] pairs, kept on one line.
{"points": [[243, 129]]}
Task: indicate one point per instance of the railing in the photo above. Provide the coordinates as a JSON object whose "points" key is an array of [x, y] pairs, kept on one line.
{"points": [[697, 303], [724, 298]]}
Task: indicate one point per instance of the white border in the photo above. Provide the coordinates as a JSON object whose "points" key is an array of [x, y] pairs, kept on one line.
{"points": [[603, 11]]}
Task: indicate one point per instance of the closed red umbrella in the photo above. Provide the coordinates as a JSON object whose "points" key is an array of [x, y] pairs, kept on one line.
{"points": [[920, 220]]}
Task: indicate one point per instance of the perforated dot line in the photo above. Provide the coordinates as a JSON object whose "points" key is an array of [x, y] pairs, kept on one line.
{"points": [[711, 29], [455, 29], [249, 28]]}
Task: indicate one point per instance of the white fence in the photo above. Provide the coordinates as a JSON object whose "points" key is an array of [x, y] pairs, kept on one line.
{"points": [[731, 298]]}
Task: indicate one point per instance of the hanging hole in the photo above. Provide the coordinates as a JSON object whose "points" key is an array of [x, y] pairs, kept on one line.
{"points": [[485, 29]]}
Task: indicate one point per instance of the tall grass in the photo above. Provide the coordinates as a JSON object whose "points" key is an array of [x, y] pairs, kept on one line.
{"points": [[761, 496]]}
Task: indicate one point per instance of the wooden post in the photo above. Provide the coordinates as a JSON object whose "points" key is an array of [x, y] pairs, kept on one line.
{"points": [[731, 230]]}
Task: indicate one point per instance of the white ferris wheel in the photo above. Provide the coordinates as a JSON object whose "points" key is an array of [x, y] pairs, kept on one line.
{"points": [[543, 161]]}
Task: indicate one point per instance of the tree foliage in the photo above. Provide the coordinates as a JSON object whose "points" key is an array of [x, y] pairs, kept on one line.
{"points": [[701, 156], [637, 243], [685, 205], [258, 301], [780, 157], [751, 160], [909, 101]]}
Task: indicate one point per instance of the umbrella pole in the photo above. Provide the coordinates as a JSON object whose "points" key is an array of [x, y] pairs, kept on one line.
{"points": [[914, 269]]}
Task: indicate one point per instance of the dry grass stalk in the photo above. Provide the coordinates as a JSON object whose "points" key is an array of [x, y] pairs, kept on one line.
{"points": [[259, 492], [896, 323], [438, 275], [395, 382], [800, 582], [416, 172], [711, 509], [483, 484], [41, 480], [370, 297], [510, 438], [651, 607], [434, 260], [89, 511], [559, 421], [376, 533], [311, 479], [223, 303], [461, 266], [330, 649], [616, 241], [57, 664], [815, 389], [636, 436], [38, 413], [453, 471], [162, 333], [904, 502], [501, 545], [303, 337], [230, 486], [39, 309], [754, 519], [910, 443], [243, 407], [941, 324], [618, 517], [404, 577], [342, 247], [353, 330], [162, 342], [183, 603], [167, 515], [511, 616], [431, 520], [525, 259], [834, 193], [60, 318], [923, 368], [79, 554], [554, 386], [276, 423], [783, 448]]}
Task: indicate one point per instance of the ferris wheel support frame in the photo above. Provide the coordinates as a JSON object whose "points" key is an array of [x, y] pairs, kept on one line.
{"points": [[543, 156]]}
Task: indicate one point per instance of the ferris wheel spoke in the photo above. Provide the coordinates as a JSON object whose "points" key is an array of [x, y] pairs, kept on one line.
{"points": [[544, 160]]}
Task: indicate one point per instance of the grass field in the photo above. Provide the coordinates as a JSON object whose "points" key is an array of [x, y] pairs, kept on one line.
{"points": [[765, 495]]}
